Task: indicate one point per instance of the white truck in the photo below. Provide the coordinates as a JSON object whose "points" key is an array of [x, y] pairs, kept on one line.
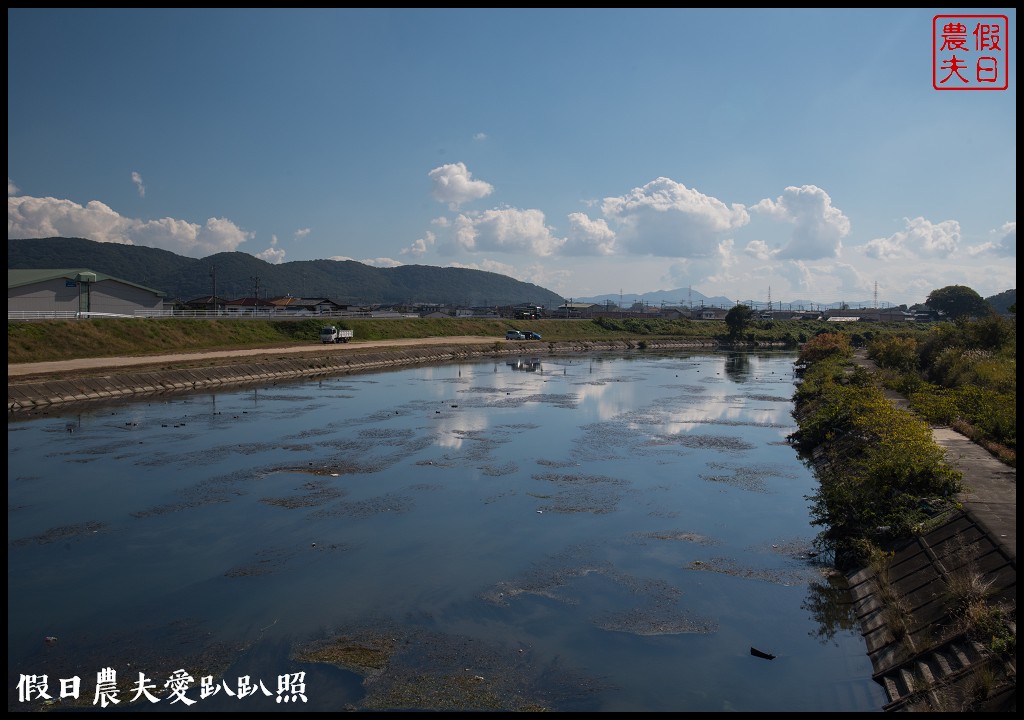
{"points": [[332, 334]]}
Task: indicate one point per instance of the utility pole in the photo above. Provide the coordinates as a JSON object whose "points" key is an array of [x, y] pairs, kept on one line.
{"points": [[256, 295], [213, 278]]}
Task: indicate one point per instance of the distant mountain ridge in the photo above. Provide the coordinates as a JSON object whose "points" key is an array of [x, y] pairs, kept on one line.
{"points": [[687, 297], [238, 274]]}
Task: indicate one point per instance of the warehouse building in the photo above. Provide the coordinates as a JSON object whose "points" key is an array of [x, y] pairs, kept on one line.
{"points": [[76, 292]]}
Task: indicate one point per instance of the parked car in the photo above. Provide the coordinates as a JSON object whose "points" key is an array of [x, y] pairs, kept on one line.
{"points": [[532, 335], [515, 335]]}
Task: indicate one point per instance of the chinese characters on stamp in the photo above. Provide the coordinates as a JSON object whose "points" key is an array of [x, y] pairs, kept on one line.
{"points": [[970, 52]]}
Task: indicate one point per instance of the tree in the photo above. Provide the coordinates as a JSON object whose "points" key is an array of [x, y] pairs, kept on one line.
{"points": [[738, 318], [956, 301]]}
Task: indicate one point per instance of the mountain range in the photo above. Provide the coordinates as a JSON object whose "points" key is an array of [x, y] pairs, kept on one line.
{"points": [[233, 275]]}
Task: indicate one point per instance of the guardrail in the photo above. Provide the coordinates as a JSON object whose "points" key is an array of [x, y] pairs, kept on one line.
{"points": [[201, 314]]}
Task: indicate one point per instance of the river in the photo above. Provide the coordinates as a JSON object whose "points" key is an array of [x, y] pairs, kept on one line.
{"points": [[606, 532]]}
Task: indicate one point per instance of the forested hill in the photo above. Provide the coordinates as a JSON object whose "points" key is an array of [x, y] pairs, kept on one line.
{"points": [[237, 275]]}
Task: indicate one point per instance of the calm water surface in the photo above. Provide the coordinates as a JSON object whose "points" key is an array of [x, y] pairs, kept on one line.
{"points": [[606, 533]]}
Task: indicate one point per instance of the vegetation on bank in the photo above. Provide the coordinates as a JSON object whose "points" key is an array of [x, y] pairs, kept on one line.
{"points": [[50, 340], [882, 478], [880, 473], [962, 374]]}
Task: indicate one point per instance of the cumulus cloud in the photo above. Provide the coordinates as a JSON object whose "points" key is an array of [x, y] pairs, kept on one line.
{"points": [[32, 217], [1005, 244], [819, 228], [375, 262], [137, 179], [668, 219], [851, 280], [506, 230], [797, 274], [759, 249], [480, 136], [273, 254], [488, 266], [12, 189], [719, 268], [454, 184], [714, 269], [588, 237], [301, 233], [921, 239], [421, 245]]}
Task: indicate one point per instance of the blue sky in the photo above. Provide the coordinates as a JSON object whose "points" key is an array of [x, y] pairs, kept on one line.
{"points": [[790, 154]]}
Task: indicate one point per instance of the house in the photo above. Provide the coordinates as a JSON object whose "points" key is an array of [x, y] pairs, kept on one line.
{"points": [[289, 305], [77, 292], [248, 306], [207, 303], [574, 310], [709, 313]]}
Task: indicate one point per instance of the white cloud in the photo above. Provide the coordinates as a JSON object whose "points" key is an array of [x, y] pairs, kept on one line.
{"points": [[454, 184], [382, 262], [715, 269], [506, 230], [588, 237], [1005, 245], [272, 254], [421, 245], [921, 239], [12, 189], [488, 266], [32, 217], [759, 249], [375, 262], [718, 269], [851, 280], [480, 136], [137, 179], [818, 226], [668, 219], [797, 274], [301, 233]]}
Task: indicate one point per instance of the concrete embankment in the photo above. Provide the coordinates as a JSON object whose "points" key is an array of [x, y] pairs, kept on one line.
{"points": [[913, 618]]}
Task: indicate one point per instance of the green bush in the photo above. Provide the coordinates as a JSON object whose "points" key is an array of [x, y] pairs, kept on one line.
{"points": [[880, 472]]}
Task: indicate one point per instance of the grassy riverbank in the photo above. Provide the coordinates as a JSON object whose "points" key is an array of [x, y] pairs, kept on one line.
{"points": [[50, 340]]}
